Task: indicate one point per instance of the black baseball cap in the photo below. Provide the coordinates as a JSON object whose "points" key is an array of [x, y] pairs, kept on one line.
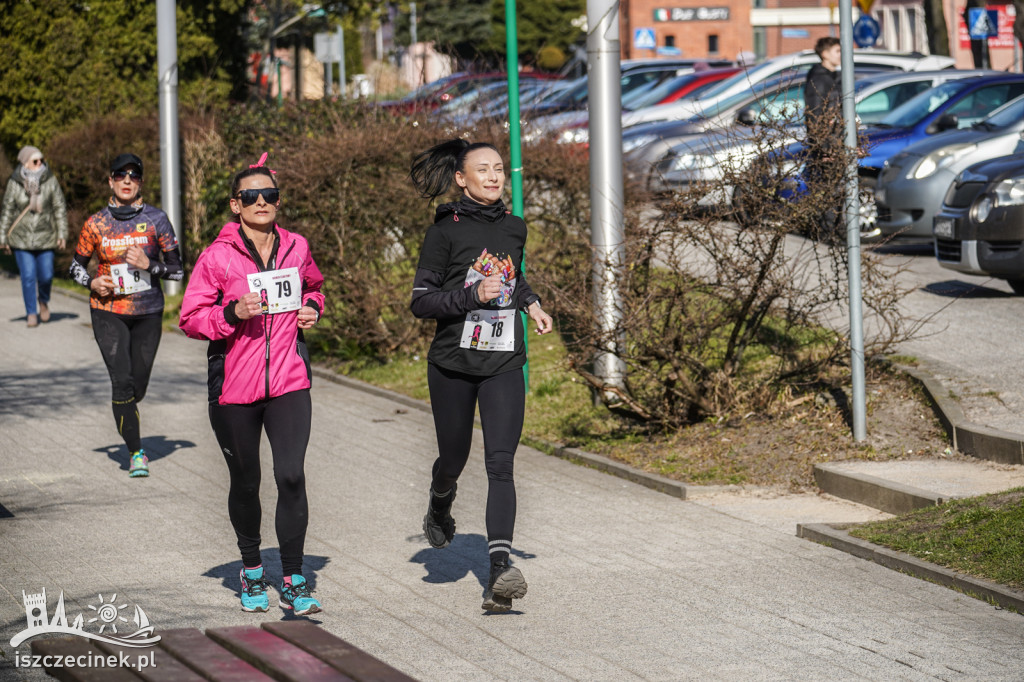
{"points": [[125, 160]]}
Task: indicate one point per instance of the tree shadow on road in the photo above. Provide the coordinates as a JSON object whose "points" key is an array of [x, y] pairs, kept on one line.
{"points": [[954, 288], [156, 447], [311, 564]]}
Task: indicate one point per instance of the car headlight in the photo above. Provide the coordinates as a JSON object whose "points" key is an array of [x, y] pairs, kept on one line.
{"points": [[636, 142], [1010, 192], [685, 162], [940, 158], [983, 208], [574, 136]]}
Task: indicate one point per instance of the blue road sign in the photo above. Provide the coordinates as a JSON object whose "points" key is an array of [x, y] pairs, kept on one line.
{"points": [[865, 31], [643, 39], [982, 23]]}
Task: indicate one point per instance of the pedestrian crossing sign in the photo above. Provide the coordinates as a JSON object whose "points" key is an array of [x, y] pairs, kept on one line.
{"points": [[643, 39], [983, 23]]}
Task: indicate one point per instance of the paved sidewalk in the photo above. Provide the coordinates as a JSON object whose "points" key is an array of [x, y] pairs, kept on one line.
{"points": [[625, 583]]}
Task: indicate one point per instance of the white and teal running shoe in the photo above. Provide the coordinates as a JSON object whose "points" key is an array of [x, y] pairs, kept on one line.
{"points": [[254, 590], [296, 596], [139, 467]]}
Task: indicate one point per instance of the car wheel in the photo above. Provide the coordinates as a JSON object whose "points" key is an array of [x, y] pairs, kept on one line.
{"points": [[869, 230], [1017, 285]]}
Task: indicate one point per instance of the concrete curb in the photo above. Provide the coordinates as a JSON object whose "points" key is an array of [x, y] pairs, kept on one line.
{"points": [[887, 496], [837, 537], [969, 438]]}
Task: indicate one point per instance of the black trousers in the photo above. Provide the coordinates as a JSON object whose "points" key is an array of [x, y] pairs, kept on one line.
{"points": [[128, 346], [502, 400], [238, 429]]}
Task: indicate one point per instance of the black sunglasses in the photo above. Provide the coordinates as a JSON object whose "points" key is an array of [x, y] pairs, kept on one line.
{"points": [[120, 175], [248, 197]]}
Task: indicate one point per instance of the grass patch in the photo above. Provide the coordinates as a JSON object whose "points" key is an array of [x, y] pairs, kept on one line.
{"points": [[979, 536], [779, 448]]}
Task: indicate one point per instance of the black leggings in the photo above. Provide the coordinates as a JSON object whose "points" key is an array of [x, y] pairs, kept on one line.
{"points": [[502, 400], [128, 346], [238, 429]]}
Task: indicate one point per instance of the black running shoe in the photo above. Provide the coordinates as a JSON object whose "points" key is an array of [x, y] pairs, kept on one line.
{"points": [[438, 524], [505, 584]]}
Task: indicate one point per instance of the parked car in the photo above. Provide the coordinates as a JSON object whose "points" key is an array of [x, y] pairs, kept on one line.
{"points": [[980, 228], [913, 182], [794, 66], [665, 144], [952, 105], [690, 84], [439, 92]]}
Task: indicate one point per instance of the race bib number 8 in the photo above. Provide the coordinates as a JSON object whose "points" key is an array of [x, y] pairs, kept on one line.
{"points": [[129, 280], [493, 330], [280, 290]]}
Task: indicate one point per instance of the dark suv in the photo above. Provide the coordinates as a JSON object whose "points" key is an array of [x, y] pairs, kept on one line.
{"points": [[980, 228]]}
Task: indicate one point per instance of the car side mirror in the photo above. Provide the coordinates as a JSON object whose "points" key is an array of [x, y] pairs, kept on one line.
{"points": [[746, 117], [944, 122]]}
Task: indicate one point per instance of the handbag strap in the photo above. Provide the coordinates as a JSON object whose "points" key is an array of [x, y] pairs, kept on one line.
{"points": [[16, 221]]}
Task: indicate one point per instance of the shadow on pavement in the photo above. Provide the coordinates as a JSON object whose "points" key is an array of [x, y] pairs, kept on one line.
{"points": [[451, 564], [228, 575], [906, 248], [954, 288], [156, 447], [54, 317]]}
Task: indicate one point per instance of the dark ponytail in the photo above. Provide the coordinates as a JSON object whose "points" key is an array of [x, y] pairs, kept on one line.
{"points": [[433, 171]]}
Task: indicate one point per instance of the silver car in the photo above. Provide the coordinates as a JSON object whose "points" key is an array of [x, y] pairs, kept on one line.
{"points": [[912, 183]]}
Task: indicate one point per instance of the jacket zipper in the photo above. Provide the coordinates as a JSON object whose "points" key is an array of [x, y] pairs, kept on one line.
{"points": [[268, 328]]}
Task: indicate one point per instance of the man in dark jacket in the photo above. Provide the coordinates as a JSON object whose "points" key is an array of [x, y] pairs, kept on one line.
{"points": [[823, 117]]}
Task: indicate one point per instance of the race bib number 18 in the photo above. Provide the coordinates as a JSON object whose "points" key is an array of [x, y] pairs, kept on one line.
{"points": [[280, 290], [493, 330], [129, 280]]}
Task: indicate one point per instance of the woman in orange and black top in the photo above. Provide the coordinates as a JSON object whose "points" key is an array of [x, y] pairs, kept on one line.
{"points": [[135, 245]]}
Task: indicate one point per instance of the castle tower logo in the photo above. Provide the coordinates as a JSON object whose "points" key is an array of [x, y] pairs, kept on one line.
{"points": [[105, 616]]}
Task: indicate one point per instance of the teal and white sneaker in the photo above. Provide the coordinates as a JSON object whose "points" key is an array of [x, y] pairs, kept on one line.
{"points": [[296, 596], [139, 467], [254, 590]]}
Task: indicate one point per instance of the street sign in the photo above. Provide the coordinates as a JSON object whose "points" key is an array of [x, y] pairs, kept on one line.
{"points": [[982, 23], [643, 39], [865, 5], [327, 47], [865, 31]]}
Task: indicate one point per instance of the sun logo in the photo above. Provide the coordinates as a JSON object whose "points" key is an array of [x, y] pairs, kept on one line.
{"points": [[108, 614]]}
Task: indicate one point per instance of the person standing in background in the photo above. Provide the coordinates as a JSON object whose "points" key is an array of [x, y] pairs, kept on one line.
{"points": [[33, 222]]}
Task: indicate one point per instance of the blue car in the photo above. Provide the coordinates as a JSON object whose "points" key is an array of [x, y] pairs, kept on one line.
{"points": [[952, 105]]}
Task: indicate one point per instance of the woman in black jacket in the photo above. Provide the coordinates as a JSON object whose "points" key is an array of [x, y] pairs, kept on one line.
{"points": [[468, 280]]}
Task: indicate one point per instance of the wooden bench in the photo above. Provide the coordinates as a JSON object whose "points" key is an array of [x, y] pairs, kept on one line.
{"points": [[289, 651]]}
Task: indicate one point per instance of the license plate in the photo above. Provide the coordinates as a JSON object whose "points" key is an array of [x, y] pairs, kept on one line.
{"points": [[944, 227]]}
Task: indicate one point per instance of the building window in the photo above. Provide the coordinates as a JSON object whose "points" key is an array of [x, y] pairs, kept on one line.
{"points": [[712, 44], [759, 4], [670, 41], [760, 43]]}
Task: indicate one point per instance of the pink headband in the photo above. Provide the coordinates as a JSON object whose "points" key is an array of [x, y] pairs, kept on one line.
{"points": [[259, 164]]}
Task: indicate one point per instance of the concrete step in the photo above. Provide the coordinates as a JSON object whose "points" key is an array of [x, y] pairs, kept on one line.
{"points": [[899, 486]]}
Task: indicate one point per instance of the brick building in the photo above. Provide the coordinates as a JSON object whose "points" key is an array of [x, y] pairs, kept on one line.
{"points": [[766, 28]]}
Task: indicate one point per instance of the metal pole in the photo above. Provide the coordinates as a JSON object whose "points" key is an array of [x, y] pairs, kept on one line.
{"points": [[413, 40], [606, 193], [170, 161], [341, 62], [515, 140], [852, 218]]}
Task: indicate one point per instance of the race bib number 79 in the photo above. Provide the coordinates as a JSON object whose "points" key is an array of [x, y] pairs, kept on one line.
{"points": [[280, 290], [493, 330]]}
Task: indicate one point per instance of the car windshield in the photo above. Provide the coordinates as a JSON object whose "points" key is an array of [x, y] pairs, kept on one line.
{"points": [[466, 99], [915, 110], [1007, 115]]}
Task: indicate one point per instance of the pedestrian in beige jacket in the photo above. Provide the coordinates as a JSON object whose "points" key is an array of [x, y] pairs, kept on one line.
{"points": [[33, 222]]}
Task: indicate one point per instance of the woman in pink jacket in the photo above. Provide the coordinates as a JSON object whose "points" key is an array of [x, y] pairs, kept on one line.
{"points": [[252, 292]]}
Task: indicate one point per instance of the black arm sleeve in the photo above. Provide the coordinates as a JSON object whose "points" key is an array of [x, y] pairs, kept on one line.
{"points": [[170, 268], [80, 270], [428, 301]]}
